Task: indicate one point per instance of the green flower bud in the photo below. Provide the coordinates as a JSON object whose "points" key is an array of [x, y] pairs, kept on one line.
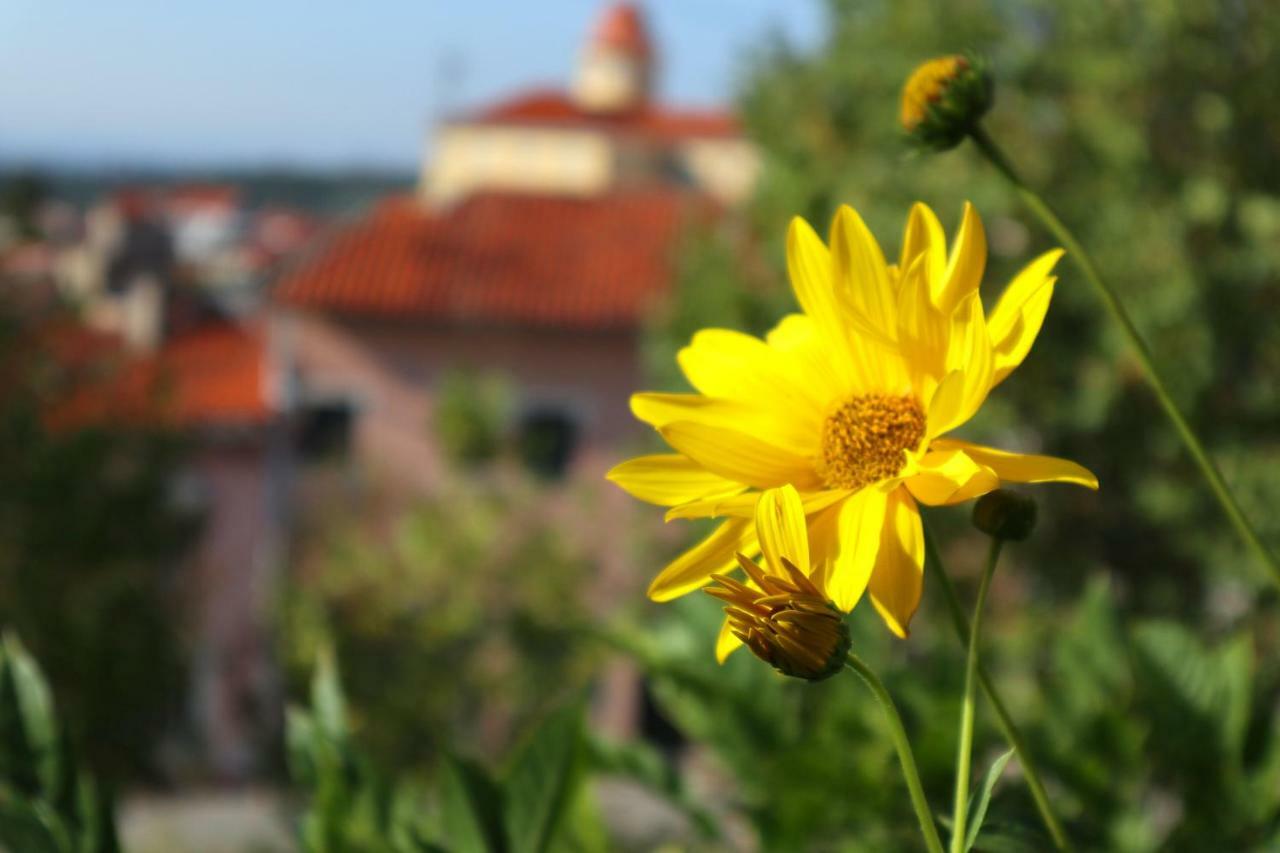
{"points": [[944, 99], [1005, 515]]}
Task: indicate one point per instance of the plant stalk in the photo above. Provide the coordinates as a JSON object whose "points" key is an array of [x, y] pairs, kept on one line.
{"points": [[1111, 301], [905, 755], [1012, 735], [964, 752]]}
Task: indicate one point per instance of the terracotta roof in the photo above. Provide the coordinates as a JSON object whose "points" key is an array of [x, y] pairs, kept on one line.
{"points": [[212, 376], [502, 259], [621, 26], [552, 107]]}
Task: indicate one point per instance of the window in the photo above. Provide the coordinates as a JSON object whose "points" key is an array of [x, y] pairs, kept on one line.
{"points": [[546, 439], [324, 430]]}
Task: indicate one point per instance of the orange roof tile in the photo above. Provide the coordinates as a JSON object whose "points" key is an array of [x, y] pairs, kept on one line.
{"points": [[212, 376], [503, 259], [552, 107]]}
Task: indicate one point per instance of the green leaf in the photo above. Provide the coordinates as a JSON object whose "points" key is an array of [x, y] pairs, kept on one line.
{"points": [[982, 799], [300, 734], [471, 804], [541, 780], [328, 704], [35, 709], [1199, 698], [31, 827]]}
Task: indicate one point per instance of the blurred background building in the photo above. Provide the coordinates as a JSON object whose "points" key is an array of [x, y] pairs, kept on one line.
{"points": [[283, 343]]}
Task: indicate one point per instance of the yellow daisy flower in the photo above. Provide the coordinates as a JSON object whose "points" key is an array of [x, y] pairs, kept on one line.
{"points": [[849, 402]]}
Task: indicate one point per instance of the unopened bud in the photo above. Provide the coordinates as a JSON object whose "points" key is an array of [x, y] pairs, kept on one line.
{"points": [[1005, 515], [786, 622], [944, 99]]}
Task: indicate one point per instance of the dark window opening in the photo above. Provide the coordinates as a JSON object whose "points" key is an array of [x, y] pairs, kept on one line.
{"points": [[546, 441], [325, 430]]}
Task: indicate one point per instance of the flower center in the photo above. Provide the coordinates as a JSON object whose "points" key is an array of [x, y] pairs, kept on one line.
{"points": [[865, 438]]}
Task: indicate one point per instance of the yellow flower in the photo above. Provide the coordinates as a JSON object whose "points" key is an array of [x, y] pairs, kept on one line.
{"points": [[850, 402], [779, 613]]}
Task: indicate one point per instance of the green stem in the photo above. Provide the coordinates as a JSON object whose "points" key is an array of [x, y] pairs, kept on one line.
{"points": [[905, 756], [1111, 301], [1012, 735], [964, 753]]}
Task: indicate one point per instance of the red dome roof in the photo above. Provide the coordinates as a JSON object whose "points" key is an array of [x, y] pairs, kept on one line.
{"points": [[622, 27]]}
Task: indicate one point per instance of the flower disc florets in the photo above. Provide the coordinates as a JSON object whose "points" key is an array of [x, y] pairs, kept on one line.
{"points": [[786, 622], [944, 99], [865, 439]]}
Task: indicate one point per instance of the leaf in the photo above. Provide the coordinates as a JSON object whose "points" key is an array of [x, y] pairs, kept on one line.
{"points": [[471, 804], [299, 737], [35, 709], [1199, 698], [17, 754], [31, 828], [982, 799], [328, 704], [541, 780]]}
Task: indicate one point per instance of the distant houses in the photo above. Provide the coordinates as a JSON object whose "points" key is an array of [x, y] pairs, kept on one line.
{"points": [[541, 236]]}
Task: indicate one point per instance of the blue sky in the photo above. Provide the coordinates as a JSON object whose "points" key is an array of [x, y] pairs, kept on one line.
{"points": [[319, 82]]}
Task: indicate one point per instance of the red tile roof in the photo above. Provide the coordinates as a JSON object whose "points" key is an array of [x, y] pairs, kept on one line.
{"points": [[212, 376], [502, 259], [551, 107], [622, 26]]}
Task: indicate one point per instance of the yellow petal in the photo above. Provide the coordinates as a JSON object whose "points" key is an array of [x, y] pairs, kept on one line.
{"points": [[1029, 280], [922, 330], [862, 276], [716, 553], [727, 643], [969, 365], [1022, 467], [1014, 324], [739, 456], [853, 557], [809, 267], [924, 236], [780, 528], [774, 425], [950, 477], [744, 505], [965, 266], [899, 573], [732, 366], [796, 338], [668, 479]]}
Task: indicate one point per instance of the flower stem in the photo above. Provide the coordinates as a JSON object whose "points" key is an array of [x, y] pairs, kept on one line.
{"points": [[905, 756], [1111, 301], [964, 753], [1012, 735]]}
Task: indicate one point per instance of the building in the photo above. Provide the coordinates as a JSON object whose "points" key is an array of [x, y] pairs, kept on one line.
{"points": [[541, 235]]}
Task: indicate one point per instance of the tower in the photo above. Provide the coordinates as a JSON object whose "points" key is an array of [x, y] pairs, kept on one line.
{"points": [[616, 69]]}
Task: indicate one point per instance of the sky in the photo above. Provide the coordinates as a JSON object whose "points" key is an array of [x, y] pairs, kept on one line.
{"points": [[321, 83]]}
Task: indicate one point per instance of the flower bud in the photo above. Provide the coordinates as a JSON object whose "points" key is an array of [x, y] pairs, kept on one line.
{"points": [[944, 99], [786, 622], [1003, 514]]}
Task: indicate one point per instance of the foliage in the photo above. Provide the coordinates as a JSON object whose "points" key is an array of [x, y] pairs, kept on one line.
{"points": [[48, 804], [460, 620], [89, 532], [537, 803], [1145, 126], [471, 414]]}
